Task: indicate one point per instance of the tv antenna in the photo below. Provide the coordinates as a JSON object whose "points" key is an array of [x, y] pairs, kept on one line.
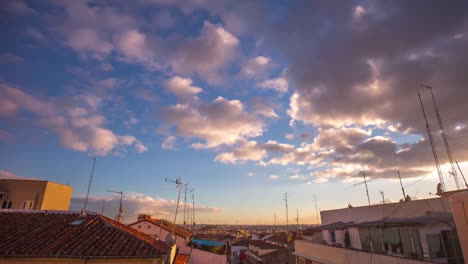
{"points": [[316, 209], [285, 199], [444, 137], [402, 188], [119, 216], [431, 140], [367, 190], [179, 185], [193, 209]]}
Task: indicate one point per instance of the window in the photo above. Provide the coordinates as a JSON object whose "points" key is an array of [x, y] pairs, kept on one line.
{"points": [[332, 236], [6, 204], [28, 205], [301, 260], [452, 246]]}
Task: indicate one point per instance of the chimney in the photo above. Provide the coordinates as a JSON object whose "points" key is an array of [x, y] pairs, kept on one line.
{"points": [[142, 217]]}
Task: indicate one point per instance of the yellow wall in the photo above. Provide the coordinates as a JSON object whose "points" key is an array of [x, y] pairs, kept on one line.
{"points": [[76, 261], [46, 195], [57, 197]]}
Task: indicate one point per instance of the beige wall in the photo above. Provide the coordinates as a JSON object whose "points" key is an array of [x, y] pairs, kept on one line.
{"points": [[329, 254], [459, 203], [76, 261], [57, 197], [46, 195], [24, 190]]}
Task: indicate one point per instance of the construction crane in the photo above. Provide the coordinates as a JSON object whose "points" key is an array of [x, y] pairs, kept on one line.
{"points": [[119, 216], [444, 136], [434, 152]]}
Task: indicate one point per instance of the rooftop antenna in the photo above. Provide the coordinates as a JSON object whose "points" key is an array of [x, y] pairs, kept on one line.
{"points": [[434, 152], [83, 211], [274, 217], [461, 173], [444, 136], [383, 196], [285, 195], [119, 216], [102, 208], [316, 210], [185, 204], [402, 188], [297, 220], [193, 209], [179, 185], [367, 190]]}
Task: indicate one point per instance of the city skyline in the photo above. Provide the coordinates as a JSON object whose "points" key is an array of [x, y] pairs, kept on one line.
{"points": [[243, 102]]}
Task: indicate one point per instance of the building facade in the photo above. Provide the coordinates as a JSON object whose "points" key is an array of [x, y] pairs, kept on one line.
{"points": [[33, 194], [420, 230]]}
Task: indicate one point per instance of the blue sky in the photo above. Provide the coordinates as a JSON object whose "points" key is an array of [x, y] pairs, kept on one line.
{"points": [[244, 102]]}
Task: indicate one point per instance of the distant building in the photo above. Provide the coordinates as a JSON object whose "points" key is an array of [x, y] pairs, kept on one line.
{"points": [[260, 252], [162, 229], [420, 230], [18, 192], [29, 236]]}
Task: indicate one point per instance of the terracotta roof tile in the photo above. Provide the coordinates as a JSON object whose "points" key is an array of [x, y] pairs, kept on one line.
{"points": [[51, 234], [165, 224]]}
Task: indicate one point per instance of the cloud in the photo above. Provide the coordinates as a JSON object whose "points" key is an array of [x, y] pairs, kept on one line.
{"points": [[274, 177], [256, 67], [264, 108], [252, 151], [205, 55], [298, 177], [135, 204], [7, 58], [182, 87], [18, 7], [89, 41], [279, 84], [77, 127], [211, 124], [169, 143]]}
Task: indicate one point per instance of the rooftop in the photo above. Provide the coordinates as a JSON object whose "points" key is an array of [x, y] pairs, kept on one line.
{"points": [[65, 234], [163, 223]]}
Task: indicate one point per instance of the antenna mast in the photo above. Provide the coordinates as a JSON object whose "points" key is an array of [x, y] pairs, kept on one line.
{"points": [[402, 188], [179, 185], [119, 216], [434, 152], [185, 205], [193, 209], [365, 183], [316, 209], [444, 136], [383, 196], [89, 185], [297, 219], [285, 195]]}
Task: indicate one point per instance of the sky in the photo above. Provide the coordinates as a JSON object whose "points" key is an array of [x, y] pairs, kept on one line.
{"points": [[242, 100]]}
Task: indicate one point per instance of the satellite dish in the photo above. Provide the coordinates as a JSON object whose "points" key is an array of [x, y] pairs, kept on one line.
{"points": [[170, 239]]}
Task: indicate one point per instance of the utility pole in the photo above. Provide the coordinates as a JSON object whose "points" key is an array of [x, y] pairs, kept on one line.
{"points": [[461, 173], [89, 186], [402, 189], [365, 183], [316, 210], [383, 196], [434, 152], [444, 136], [285, 198]]}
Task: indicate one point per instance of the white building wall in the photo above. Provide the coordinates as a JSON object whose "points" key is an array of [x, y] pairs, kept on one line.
{"points": [[160, 233], [380, 211], [354, 237]]}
